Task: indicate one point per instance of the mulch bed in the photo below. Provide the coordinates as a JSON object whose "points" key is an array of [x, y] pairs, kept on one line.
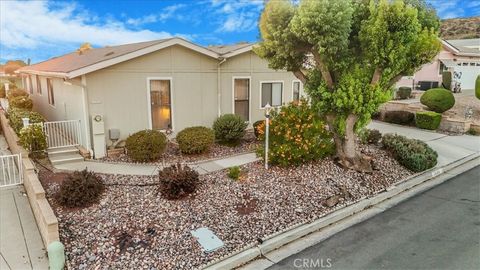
{"points": [[133, 227], [173, 155]]}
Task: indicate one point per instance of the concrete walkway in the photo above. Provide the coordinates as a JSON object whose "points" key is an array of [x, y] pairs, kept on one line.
{"points": [[21, 246], [449, 148], [137, 169]]}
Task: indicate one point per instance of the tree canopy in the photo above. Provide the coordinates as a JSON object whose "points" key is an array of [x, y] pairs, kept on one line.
{"points": [[348, 53]]}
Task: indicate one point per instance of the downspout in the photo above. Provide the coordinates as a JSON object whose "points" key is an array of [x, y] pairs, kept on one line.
{"points": [[219, 87]]}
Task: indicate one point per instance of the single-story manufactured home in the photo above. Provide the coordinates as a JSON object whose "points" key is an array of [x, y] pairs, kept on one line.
{"points": [[460, 56], [167, 84]]}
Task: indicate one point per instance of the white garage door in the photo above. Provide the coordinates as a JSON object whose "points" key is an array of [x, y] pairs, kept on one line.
{"points": [[467, 74]]}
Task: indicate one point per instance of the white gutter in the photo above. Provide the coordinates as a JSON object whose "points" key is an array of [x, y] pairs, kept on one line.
{"points": [[219, 87], [43, 73]]}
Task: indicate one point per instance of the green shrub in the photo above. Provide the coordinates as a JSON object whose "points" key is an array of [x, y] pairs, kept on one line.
{"points": [[404, 92], [477, 87], [371, 136], [415, 155], [438, 99], [177, 181], [33, 139], [195, 140], [258, 128], [16, 92], [146, 145], [473, 132], [447, 80], [229, 128], [15, 116], [234, 172], [399, 117], [21, 102], [80, 189], [297, 135], [428, 120]]}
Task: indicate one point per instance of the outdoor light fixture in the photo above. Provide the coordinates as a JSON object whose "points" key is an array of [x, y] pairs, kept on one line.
{"points": [[268, 108]]}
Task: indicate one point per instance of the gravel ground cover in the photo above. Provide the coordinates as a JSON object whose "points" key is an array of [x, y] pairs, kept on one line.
{"points": [[173, 155], [133, 227]]}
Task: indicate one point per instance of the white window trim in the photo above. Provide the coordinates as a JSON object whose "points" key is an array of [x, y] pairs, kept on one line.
{"points": [[37, 82], [260, 92], [48, 93], [149, 104], [249, 95], [300, 89]]}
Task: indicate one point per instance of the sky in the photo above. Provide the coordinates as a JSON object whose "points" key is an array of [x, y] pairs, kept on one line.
{"points": [[39, 30]]}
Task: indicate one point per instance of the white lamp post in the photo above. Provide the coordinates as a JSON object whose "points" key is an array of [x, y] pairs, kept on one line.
{"points": [[267, 127]]}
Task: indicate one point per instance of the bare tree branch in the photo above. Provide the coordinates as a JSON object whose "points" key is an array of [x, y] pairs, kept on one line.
{"points": [[376, 76], [300, 75], [323, 68]]}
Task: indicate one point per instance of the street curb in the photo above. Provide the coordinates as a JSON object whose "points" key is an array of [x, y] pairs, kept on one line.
{"points": [[340, 219]]}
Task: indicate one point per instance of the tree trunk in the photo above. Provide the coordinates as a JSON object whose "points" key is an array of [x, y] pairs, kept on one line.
{"points": [[347, 154]]}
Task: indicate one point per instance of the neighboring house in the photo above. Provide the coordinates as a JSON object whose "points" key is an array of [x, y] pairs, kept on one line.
{"points": [[461, 56], [165, 84]]}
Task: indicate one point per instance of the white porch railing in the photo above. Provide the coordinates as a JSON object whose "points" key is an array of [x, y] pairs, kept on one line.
{"points": [[63, 133], [11, 172]]}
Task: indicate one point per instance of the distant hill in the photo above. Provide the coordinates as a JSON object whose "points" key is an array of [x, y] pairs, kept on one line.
{"points": [[460, 28]]}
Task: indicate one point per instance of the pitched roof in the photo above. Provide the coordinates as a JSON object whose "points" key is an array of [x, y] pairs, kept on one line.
{"points": [[464, 46], [75, 64]]}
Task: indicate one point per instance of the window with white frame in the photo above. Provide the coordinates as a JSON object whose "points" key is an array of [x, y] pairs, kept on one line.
{"points": [[296, 90], [39, 85], [272, 93], [50, 93]]}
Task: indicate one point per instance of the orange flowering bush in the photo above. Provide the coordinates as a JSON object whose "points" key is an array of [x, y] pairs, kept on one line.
{"points": [[297, 135]]}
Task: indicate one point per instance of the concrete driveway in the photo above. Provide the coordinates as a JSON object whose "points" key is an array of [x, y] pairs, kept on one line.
{"points": [[439, 229]]}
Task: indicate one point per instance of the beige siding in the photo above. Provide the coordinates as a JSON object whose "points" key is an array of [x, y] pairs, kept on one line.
{"points": [[250, 65], [68, 101], [120, 92]]}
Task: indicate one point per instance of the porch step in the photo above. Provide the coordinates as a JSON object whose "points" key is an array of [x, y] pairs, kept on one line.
{"points": [[64, 155]]}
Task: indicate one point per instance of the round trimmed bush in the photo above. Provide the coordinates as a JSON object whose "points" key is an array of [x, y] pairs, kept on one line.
{"points": [[80, 189], [34, 140], [428, 120], [438, 100], [399, 117], [415, 155], [21, 102], [404, 92], [229, 128], [146, 145], [477, 87], [195, 140]]}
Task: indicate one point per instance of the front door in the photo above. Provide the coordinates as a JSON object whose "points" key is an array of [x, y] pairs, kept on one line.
{"points": [[161, 104], [241, 98]]}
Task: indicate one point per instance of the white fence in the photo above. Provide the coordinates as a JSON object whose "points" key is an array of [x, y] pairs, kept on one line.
{"points": [[63, 133], [11, 172]]}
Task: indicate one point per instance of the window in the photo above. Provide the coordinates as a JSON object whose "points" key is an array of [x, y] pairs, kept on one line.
{"points": [[160, 104], [296, 90], [39, 85], [442, 68], [241, 92], [50, 93], [30, 84], [472, 64], [272, 93]]}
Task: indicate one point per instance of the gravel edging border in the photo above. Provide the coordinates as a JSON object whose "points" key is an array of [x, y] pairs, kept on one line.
{"points": [[401, 191]]}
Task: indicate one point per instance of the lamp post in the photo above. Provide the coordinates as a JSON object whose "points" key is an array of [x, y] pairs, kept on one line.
{"points": [[267, 127]]}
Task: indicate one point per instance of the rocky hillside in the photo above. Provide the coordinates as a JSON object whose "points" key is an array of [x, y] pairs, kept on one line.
{"points": [[460, 28]]}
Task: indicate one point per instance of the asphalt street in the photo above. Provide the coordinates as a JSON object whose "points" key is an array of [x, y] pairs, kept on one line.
{"points": [[438, 229]]}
